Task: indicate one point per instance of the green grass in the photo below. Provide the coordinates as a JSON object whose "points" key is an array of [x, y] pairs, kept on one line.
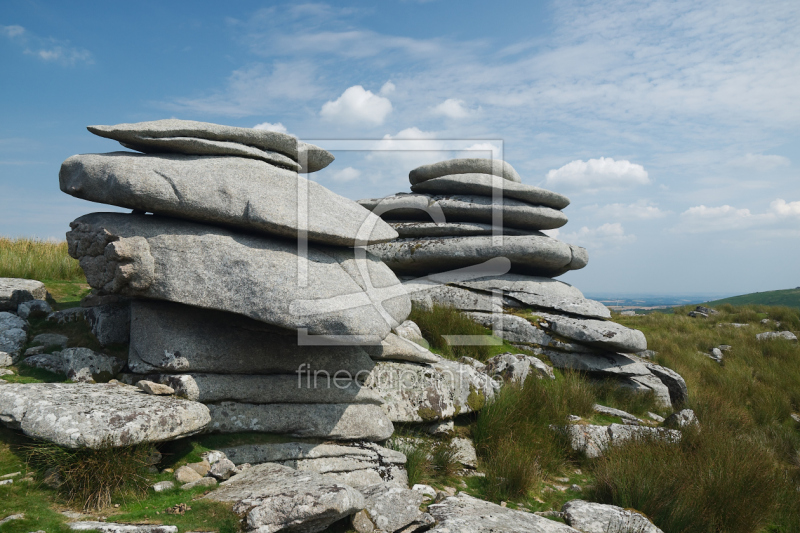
{"points": [[35, 259], [441, 320], [786, 297]]}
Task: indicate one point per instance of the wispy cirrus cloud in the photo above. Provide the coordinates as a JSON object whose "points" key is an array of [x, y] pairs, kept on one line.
{"points": [[704, 219], [49, 50]]}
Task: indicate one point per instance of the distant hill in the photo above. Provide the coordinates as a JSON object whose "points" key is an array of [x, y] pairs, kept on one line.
{"points": [[787, 297]]}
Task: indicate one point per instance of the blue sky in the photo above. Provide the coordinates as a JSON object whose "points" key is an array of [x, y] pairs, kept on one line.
{"points": [[673, 126]]}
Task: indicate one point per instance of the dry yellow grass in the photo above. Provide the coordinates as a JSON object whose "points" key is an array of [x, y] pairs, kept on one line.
{"points": [[36, 259]]}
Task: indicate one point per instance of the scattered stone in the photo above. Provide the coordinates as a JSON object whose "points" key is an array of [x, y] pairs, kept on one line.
{"points": [[573, 418], [589, 517], [156, 388], [66, 316], [13, 337], [201, 468], [603, 410], [515, 368], [72, 515], [161, 486], [14, 291], [202, 482], [11, 517], [426, 490], [769, 335], [575, 488], [465, 452], [698, 314], [391, 508], [33, 309], [455, 167], [678, 391], [441, 428], [111, 527], [96, 415], [51, 339], [36, 350], [682, 419], [732, 324], [223, 469], [329, 421], [657, 418], [598, 333], [6, 372], [716, 355], [463, 514], [251, 195], [110, 323], [725, 347], [212, 456], [186, 474], [80, 365], [6, 481], [591, 440], [272, 497], [49, 362]]}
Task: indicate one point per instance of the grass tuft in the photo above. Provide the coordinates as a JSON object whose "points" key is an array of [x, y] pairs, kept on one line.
{"points": [[36, 259], [442, 320]]}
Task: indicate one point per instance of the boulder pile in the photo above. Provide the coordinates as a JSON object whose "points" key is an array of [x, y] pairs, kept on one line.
{"points": [[471, 237]]}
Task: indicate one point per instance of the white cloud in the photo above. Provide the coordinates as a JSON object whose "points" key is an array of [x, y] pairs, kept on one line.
{"points": [[607, 236], [346, 174], [357, 105], [387, 89], [760, 161], [278, 126], [782, 208], [640, 210], [594, 174], [452, 108], [12, 31], [47, 49], [702, 219]]}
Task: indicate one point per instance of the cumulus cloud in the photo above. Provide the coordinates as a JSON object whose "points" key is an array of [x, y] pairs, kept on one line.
{"points": [[760, 161], [702, 219], [785, 209], [640, 210], [357, 105], [47, 49], [452, 108], [346, 174], [594, 174], [387, 89], [605, 237], [278, 126]]}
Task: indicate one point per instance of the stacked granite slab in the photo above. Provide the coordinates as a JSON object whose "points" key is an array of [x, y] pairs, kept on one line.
{"points": [[246, 292], [470, 237]]}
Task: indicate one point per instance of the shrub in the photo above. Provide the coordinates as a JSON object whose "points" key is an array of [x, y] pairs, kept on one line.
{"points": [[91, 477], [36, 259], [440, 321]]}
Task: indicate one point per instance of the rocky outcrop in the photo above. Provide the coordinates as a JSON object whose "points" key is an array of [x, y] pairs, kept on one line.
{"points": [[94, 416], [14, 291], [492, 167], [592, 440], [79, 365], [391, 508], [590, 517]]}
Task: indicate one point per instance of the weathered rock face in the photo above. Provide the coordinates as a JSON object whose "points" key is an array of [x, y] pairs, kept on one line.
{"points": [[682, 419], [516, 368], [488, 185], [155, 136], [358, 464], [539, 292], [111, 323], [453, 229], [166, 259], [329, 421], [274, 497], [170, 337], [80, 365], [392, 508], [468, 208], [590, 517], [278, 388], [93, 416], [533, 255], [678, 392], [465, 514], [242, 193], [111, 527], [34, 309], [14, 291], [493, 167], [593, 440], [769, 335], [396, 348], [598, 333], [424, 393], [13, 336], [462, 299]]}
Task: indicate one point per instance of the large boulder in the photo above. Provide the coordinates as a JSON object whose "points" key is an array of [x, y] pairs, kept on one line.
{"points": [[590, 517], [534, 254], [14, 291], [678, 391], [597, 333], [335, 421], [488, 185], [165, 135], [302, 387], [770, 335], [358, 464], [592, 440], [234, 191], [79, 364], [391, 508], [97, 415], [429, 392], [516, 368], [474, 165], [13, 336], [466, 514], [264, 278], [467, 208], [272, 497]]}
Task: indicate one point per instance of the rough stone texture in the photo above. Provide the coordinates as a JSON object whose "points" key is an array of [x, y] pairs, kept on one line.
{"points": [[162, 486], [11, 342], [156, 388], [598, 333], [330, 421], [467, 208], [682, 419], [73, 314], [539, 292], [80, 365], [678, 392], [604, 410], [492, 167], [161, 258], [516, 367], [14, 291], [512, 328], [186, 474], [465, 452], [465, 514], [243, 193], [453, 229], [202, 482], [140, 133], [87, 415], [533, 255], [390, 507], [769, 335], [593, 440], [111, 527], [201, 467], [305, 388], [110, 324], [395, 348], [410, 331], [590, 517], [461, 299], [273, 497], [359, 464], [34, 309], [424, 393], [169, 337], [50, 362], [223, 469], [488, 185], [50, 339]]}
